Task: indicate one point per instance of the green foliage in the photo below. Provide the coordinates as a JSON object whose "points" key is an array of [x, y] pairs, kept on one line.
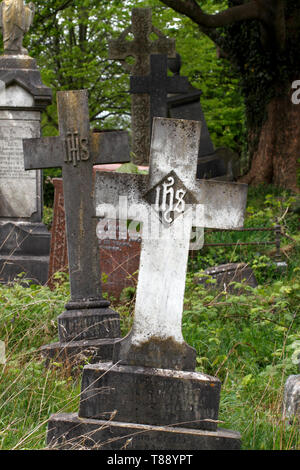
{"points": [[70, 42], [29, 391], [267, 206], [221, 100], [250, 342]]}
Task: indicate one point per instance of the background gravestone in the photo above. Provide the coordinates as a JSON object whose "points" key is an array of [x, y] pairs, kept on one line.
{"points": [[221, 163], [140, 48], [24, 240], [225, 274], [87, 322]]}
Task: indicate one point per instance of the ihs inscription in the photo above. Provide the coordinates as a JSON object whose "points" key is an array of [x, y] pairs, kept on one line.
{"points": [[77, 149], [170, 198]]}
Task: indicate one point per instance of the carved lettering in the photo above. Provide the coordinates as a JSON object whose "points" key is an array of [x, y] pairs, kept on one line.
{"points": [[76, 149], [169, 199]]}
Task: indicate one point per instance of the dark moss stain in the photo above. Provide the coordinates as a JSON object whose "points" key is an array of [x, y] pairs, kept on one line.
{"points": [[162, 353]]}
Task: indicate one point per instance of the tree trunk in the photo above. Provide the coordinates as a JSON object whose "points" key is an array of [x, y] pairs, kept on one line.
{"points": [[275, 158]]}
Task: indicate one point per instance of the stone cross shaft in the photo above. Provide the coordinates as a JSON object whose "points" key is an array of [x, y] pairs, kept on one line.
{"points": [[157, 85], [76, 150], [172, 197], [140, 48]]}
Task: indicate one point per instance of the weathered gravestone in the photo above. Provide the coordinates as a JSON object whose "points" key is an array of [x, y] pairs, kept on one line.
{"points": [[87, 321], [226, 275], [149, 397], [140, 48], [24, 239], [291, 399], [219, 163]]}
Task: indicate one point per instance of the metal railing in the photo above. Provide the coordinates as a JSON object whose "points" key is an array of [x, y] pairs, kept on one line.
{"points": [[277, 230]]}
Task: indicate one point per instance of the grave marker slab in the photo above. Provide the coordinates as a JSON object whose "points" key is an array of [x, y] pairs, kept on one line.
{"points": [[140, 48], [24, 239], [76, 150], [145, 387]]}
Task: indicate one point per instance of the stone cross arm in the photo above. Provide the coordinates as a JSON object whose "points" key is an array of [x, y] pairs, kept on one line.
{"points": [[224, 203], [142, 45], [158, 79], [52, 152]]}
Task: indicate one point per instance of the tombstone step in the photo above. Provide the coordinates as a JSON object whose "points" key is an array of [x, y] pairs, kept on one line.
{"points": [[67, 431], [77, 352], [144, 395], [94, 323]]}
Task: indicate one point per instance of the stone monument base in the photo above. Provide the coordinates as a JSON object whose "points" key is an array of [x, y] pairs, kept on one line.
{"points": [[139, 408], [78, 352], [67, 431], [24, 248], [84, 334], [88, 323]]}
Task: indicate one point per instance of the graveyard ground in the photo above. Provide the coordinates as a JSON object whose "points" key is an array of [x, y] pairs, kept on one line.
{"points": [[249, 341]]}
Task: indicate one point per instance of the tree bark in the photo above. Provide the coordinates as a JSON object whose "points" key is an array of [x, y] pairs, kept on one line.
{"points": [[275, 158]]}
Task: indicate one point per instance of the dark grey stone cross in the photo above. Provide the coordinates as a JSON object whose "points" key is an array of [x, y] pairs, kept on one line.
{"points": [[157, 85], [76, 150], [140, 48]]}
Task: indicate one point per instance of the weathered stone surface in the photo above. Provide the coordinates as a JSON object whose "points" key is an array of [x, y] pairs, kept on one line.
{"points": [[143, 395], [78, 352], [156, 395], [157, 85], [67, 431], [224, 274], [19, 76], [18, 188], [85, 323], [160, 290], [76, 151], [223, 165], [291, 400], [188, 106], [24, 249], [212, 167]]}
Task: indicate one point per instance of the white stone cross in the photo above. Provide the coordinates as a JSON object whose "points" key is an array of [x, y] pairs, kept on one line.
{"points": [[170, 201]]}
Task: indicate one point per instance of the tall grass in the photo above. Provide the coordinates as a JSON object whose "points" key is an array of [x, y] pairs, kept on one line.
{"points": [[249, 341]]}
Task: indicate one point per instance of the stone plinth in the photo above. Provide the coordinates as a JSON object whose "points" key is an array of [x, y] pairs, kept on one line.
{"points": [[119, 257], [143, 395], [24, 249], [78, 352], [25, 241], [91, 323], [67, 431]]}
